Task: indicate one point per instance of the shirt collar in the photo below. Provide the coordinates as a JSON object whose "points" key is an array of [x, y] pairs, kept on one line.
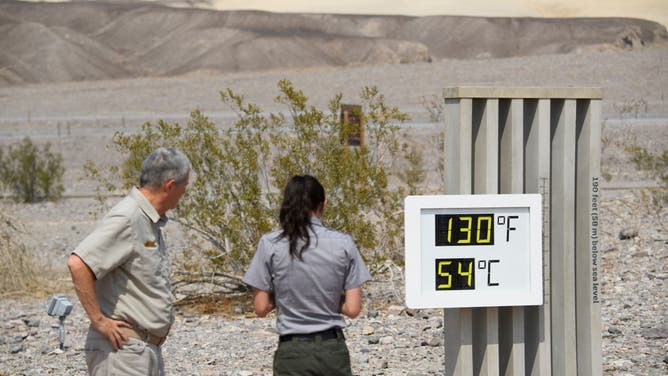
{"points": [[316, 221], [147, 208]]}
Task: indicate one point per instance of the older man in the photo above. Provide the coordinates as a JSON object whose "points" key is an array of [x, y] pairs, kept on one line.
{"points": [[121, 272]]}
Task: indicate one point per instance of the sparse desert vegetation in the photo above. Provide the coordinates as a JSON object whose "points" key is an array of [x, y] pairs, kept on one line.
{"points": [[80, 119]]}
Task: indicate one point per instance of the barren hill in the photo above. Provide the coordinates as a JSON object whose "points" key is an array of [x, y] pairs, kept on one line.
{"points": [[73, 41]]}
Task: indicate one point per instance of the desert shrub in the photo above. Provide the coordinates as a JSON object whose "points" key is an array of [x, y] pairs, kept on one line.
{"points": [[241, 169], [20, 271], [655, 165], [434, 106], [630, 107], [31, 174]]}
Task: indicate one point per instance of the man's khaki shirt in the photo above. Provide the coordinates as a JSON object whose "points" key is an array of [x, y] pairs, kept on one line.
{"points": [[127, 254]]}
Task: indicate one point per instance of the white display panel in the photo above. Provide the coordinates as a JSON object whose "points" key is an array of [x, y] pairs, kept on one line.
{"points": [[473, 251]]}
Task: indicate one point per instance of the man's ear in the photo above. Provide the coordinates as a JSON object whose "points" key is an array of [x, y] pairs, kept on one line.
{"points": [[169, 184]]}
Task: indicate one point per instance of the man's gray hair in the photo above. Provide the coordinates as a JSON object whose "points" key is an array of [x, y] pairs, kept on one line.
{"points": [[163, 164]]}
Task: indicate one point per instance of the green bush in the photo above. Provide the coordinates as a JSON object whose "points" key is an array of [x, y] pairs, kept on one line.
{"points": [[241, 169], [31, 174]]}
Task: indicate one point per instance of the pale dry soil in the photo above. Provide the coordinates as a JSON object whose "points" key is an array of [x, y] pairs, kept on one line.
{"points": [[79, 119]]}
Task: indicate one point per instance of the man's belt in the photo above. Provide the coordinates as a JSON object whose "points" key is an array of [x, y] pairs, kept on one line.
{"points": [[143, 335]]}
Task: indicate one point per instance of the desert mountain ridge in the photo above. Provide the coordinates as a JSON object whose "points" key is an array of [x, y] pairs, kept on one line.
{"points": [[75, 41]]}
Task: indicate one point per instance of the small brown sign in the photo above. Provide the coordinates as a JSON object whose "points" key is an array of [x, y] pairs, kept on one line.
{"points": [[352, 125]]}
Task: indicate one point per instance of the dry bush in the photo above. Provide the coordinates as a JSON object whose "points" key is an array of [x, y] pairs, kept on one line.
{"points": [[21, 273], [435, 106], [655, 166]]}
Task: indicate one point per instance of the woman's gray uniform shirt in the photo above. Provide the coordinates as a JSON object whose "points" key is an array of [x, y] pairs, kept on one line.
{"points": [[307, 292]]}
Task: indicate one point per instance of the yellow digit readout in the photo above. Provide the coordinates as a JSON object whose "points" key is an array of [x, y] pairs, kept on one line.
{"points": [[488, 236], [467, 273], [450, 230], [455, 274], [447, 275], [466, 230]]}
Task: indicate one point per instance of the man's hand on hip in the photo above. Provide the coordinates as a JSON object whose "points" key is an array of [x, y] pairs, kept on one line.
{"points": [[112, 330]]}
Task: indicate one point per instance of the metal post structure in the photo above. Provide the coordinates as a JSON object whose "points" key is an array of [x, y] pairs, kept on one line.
{"points": [[531, 140]]}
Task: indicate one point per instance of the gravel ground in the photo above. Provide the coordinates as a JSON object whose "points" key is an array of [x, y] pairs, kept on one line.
{"points": [[386, 339], [80, 118]]}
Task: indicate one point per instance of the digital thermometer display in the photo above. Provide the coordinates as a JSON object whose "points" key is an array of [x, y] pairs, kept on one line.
{"points": [[473, 250]]}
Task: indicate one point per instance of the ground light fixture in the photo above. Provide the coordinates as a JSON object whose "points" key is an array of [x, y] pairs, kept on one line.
{"points": [[61, 307]]}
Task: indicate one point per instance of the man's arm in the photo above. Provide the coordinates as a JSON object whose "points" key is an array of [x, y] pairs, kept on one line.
{"points": [[351, 304], [263, 302], [84, 285]]}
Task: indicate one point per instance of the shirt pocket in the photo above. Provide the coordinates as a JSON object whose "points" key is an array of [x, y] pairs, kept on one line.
{"points": [[149, 260]]}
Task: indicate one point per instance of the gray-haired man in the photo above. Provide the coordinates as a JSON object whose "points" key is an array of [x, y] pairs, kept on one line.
{"points": [[121, 272]]}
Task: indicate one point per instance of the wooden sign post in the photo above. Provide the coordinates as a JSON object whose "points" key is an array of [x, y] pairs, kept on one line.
{"points": [[352, 120]]}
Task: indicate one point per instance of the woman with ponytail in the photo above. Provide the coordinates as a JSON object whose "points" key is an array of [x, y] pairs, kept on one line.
{"points": [[312, 275]]}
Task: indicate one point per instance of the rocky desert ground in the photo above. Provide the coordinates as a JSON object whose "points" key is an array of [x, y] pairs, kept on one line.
{"points": [[79, 119]]}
